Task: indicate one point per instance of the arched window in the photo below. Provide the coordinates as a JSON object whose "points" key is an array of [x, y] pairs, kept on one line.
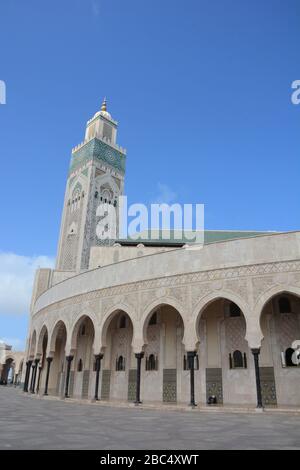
{"points": [[186, 365], [234, 310], [153, 319], [284, 305], [82, 330], [151, 362], [123, 321], [120, 363], [79, 366], [238, 359], [288, 357]]}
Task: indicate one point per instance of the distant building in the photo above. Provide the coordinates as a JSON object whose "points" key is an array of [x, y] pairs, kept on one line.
{"points": [[11, 365]]}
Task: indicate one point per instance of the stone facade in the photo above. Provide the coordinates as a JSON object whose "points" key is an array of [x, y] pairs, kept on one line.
{"points": [[133, 323]]}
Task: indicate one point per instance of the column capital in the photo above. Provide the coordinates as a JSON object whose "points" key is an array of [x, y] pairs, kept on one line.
{"points": [[36, 361], [139, 355], [49, 359], [69, 358], [191, 353], [99, 356], [255, 351]]}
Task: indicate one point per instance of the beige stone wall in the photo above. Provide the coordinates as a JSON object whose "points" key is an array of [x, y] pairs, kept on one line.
{"points": [[248, 272]]}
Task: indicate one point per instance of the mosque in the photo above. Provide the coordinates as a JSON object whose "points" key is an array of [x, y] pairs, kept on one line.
{"points": [[152, 321]]}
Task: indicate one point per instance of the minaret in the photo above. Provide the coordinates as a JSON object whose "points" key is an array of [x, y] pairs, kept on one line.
{"points": [[96, 175]]}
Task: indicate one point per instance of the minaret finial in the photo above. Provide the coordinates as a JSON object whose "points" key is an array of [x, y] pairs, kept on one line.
{"points": [[103, 107]]}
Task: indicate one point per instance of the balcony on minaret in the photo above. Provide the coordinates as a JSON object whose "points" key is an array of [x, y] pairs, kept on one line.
{"points": [[102, 126]]}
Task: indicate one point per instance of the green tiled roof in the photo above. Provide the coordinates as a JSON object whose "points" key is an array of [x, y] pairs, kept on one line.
{"points": [[95, 149], [210, 236]]}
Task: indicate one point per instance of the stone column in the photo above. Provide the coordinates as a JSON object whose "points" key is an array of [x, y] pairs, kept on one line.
{"points": [[69, 359], [139, 357], [16, 380], [39, 379], [49, 360], [32, 376], [255, 353], [27, 373], [36, 363], [191, 359], [98, 358]]}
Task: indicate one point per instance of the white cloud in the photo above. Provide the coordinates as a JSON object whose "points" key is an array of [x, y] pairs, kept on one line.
{"points": [[16, 279], [165, 194]]}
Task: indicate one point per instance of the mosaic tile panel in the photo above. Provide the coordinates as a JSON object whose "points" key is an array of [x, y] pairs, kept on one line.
{"points": [[170, 385], [132, 385], [268, 386], [105, 387], [71, 383], [214, 383], [85, 383]]}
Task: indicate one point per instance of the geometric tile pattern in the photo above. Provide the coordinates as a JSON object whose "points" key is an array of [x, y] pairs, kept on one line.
{"points": [[268, 386], [105, 387], [170, 385], [176, 280], [85, 383], [132, 385], [214, 383]]}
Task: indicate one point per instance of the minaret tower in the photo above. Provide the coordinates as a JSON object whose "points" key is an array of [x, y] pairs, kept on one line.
{"points": [[96, 175]]}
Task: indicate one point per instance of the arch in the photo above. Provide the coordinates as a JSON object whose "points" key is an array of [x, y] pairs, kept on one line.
{"points": [[289, 357], [107, 318], [155, 305], [74, 330], [270, 294], [284, 304], [32, 347], [120, 364], [122, 321], [212, 297], [151, 362], [237, 357], [59, 325], [41, 336], [79, 365]]}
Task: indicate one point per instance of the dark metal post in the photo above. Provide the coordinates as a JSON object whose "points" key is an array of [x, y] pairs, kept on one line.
{"points": [[69, 360], [191, 359], [139, 357], [49, 360], [26, 381], [39, 379], [32, 376], [255, 353], [36, 363], [98, 358]]}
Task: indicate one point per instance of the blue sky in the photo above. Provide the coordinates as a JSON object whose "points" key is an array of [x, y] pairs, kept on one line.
{"points": [[202, 93]]}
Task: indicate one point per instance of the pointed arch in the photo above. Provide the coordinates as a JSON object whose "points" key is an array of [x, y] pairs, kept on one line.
{"points": [[58, 328], [205, 301], [43, 332], [109, 315], [32, 348], [156, 304], [270, 294], [74, 330]]}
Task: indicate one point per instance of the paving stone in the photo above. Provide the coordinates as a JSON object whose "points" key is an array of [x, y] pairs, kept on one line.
{"points": [[28, 422]]}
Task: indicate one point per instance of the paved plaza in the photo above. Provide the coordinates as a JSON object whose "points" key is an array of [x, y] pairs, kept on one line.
{"points": [[32, 423]]}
